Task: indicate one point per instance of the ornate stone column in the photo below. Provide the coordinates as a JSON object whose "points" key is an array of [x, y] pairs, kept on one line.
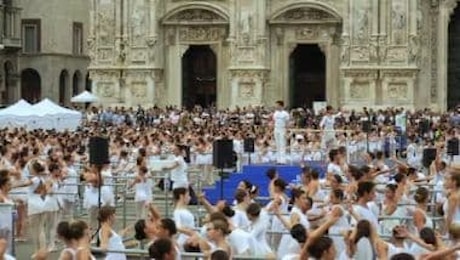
{"points": [[445, 10]]}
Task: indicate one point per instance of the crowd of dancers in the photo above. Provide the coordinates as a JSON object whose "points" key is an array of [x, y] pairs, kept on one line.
{"points": [[381, 208]]}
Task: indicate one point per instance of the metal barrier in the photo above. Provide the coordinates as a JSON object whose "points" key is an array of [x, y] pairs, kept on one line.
{"points": [[184, 255]]}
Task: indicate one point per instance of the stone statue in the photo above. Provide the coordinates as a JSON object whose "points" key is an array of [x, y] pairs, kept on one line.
{"points": [[245, 22], [361, 20], [137, 22], [414, 49], [399, 17]]}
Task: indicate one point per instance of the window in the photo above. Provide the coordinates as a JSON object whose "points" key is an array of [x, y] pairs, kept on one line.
{"points": [[31, 35], [77, 42]]}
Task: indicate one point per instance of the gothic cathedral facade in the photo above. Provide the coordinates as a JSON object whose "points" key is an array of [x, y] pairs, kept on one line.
{"points": [[350, 53]]}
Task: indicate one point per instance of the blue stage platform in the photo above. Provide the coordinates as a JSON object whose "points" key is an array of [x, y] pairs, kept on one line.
{"points": [[256, 174]]}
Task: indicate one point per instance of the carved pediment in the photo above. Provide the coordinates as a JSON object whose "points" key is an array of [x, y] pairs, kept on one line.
{"points": [[194, 16], [305, 15]]}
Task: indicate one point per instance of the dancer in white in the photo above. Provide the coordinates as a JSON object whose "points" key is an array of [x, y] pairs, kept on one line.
{"points": [[179, 169], [53, 204], [281, 121], [143, 191], [327, 125], [110, 240]]}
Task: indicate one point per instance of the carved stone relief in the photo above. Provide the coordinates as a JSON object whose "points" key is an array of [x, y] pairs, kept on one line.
{"points": [[201, 33], [359, 89], [170, 36], [345, 50], [105, 54], [105, 89], [137, 22], [360, 21], [279, 34], [397, 90], [195, 16], [249, 75], [360, 54], [305, 13], [414, 49], [373, 49], [399, 21], [246, 89], [397, 54], [139, 89], [138, 55], [307, 32], [105, 28], [246, 55], [91, 48]]}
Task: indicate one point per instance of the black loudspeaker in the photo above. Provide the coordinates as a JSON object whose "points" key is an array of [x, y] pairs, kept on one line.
{"points": [[249, 145], [98, 151], [452, 147], [424, 126], [222, 154], [429, 155], [366, 126]]}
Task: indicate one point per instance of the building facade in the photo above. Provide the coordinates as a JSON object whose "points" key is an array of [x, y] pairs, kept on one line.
{"points": [[350, 53], [53, 61], [43, 49]]}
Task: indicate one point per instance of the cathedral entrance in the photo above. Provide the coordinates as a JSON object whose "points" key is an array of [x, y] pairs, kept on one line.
{"points": [[307, 75], [199, 77], [453, 75]]}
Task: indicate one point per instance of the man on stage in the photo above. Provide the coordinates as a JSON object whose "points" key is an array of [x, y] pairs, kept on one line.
{"points": [[281, 121], [327, 125]]}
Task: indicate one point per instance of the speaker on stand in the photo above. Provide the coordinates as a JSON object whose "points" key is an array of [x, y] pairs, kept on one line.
{"points": [[429, 155], [366, 127], [249, 147], [98, 156], [223, 158], [453, 148]]}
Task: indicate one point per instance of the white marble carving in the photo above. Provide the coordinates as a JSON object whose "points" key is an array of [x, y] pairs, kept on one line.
{"points": [[137, 22]]}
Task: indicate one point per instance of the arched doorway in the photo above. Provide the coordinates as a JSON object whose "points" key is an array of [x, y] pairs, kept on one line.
{"points": [[8, 94], [88, 83], [76, 83], [31, 85], [307, 75], [63, 86], [199, 76], [453, 74]]}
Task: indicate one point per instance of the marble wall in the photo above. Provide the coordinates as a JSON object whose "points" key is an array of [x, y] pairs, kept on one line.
{"points": [[378, 53]]}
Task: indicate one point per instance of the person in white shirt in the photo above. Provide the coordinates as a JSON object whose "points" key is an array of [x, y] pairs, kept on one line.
{"points": [[327, 125], [178, 170], [281, 121]]}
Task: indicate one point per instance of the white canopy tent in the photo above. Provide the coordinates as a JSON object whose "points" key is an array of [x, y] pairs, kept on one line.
{"points": [[53, 116], [85, 97], [44, 115], [16, 115]]}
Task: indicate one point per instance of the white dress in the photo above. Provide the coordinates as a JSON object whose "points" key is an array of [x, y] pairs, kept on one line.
{"points": [[241, 242], [116, 244], [276, 224], [339, 226], [288, 245], [258, 230], [35, 203], [186, 220], [240, 219], [179, 173], [143, 191], [52, 201]]}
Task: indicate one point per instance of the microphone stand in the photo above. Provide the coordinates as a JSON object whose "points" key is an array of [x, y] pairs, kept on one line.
{"points": [[99, 205]]}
